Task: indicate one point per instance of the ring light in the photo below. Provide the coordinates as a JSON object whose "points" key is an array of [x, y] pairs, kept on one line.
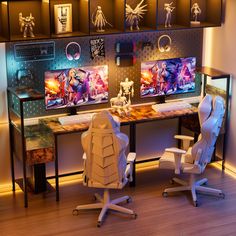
{"points": [[76, 49], [167, 47]]}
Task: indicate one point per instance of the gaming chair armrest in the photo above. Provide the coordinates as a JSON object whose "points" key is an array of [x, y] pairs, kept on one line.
{"points": [[84, 156], [131, 157], [129, 168], [177, 156], [185, 139]]}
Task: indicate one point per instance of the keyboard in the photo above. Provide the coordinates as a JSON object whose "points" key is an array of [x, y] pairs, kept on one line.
{"points": [[170, 106], [76, 119]]}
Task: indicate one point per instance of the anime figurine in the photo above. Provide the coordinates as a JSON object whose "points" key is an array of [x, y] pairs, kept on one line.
{"points": [[196, 11], [119, 104], [26, 25], [127, 88], [99, 20], [169, 9], [133, 16]]}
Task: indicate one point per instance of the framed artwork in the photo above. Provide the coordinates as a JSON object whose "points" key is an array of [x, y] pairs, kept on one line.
{"points": [[63, 18]]}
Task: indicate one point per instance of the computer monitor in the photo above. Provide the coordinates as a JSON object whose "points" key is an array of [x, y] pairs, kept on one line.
{"points": [[167, 77], [75, 87]]}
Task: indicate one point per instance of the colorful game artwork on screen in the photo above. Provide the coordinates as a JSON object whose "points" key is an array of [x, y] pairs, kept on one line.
{"points": [[166, 77], [76, 86]]}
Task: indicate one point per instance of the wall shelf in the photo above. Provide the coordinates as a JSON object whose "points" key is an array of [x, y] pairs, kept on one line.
{"points": [[82, 12]]}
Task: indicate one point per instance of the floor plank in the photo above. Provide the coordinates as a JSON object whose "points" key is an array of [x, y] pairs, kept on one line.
{"points": [[174, 215]]}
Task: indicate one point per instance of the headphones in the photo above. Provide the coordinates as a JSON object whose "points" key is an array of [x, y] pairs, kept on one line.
{"points": [[167, 46], [75, 48]]}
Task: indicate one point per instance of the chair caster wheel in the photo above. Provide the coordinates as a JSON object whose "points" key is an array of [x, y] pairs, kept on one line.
{"points": [[129, 200], [195, 203], [75, 212], [222, 195], [99, 224], [135, 215], [164, 194]]}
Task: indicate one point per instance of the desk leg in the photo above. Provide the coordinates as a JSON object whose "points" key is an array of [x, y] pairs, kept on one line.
{"points": [[132, 148], [25, 189], [56, 168], [12, 157]]}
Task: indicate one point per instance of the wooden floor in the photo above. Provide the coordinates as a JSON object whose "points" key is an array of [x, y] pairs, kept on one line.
{"points": [[174, 215]]}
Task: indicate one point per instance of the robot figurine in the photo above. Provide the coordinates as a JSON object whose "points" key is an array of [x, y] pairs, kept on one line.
{"points": [[133, 16], [169, 9], [120, 105], [98, 19], [196, 11], [26, 25], [127, 89]]}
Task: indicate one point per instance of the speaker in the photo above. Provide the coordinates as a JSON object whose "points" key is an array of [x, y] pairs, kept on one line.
{"points": [[125, 60]]}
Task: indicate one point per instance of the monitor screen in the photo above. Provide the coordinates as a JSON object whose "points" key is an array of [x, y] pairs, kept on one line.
{"points": [[170, 76], [76, 86]]}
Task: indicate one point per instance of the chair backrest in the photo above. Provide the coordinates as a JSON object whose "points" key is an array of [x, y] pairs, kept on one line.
{"points": [[104, 146], [211, 113]]}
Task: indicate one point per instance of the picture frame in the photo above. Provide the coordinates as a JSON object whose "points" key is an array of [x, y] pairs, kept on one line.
{"points": [[63, 18]]}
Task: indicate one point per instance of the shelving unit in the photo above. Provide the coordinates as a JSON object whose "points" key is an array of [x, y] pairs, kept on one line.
{"points": [[4, 29], [180, 17], [32, 145], [210, 16], [39, 10], [114, 11], [80, 18], [149, 20]]}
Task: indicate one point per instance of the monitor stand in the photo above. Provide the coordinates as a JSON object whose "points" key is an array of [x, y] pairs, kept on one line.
{"points": [[73, 111], [161, 99]]}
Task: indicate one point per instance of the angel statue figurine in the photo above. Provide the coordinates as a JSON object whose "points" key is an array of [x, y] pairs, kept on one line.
{"points": [[26, 25], [98, 19], [133, 16], [196, 11], [168, 8]]}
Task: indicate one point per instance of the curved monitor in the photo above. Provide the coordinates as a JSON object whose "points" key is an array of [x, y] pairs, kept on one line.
{"points": [[76, 86], [166, 77]]}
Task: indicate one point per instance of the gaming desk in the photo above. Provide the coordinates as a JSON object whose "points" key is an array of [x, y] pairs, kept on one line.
{"points": [[139, 114]]}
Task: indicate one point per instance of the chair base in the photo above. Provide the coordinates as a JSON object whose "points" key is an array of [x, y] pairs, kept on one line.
{"points": [[105, 204], [193, 186]]}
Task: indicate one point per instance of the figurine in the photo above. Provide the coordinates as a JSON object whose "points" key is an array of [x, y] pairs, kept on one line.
{"points": [[119, 104], [99, 20], [128, 89], [196, 11], [26, 25], [134, 16], [168, 8]]}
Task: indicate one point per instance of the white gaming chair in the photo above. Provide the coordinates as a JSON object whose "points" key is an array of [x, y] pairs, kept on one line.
{"points": [[193, 160], [105, 163]]}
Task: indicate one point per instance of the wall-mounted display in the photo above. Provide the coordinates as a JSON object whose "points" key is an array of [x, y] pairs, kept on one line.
{"points": [[133, 16], [63, 18], [26, 25]]}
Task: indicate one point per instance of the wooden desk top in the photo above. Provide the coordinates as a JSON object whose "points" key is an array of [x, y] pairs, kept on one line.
{"points": [[139, 114]]}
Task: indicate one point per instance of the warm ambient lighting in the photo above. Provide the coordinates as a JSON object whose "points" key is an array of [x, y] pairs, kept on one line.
{"points": [[68, 180], [208, 46], [4, 3]]}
